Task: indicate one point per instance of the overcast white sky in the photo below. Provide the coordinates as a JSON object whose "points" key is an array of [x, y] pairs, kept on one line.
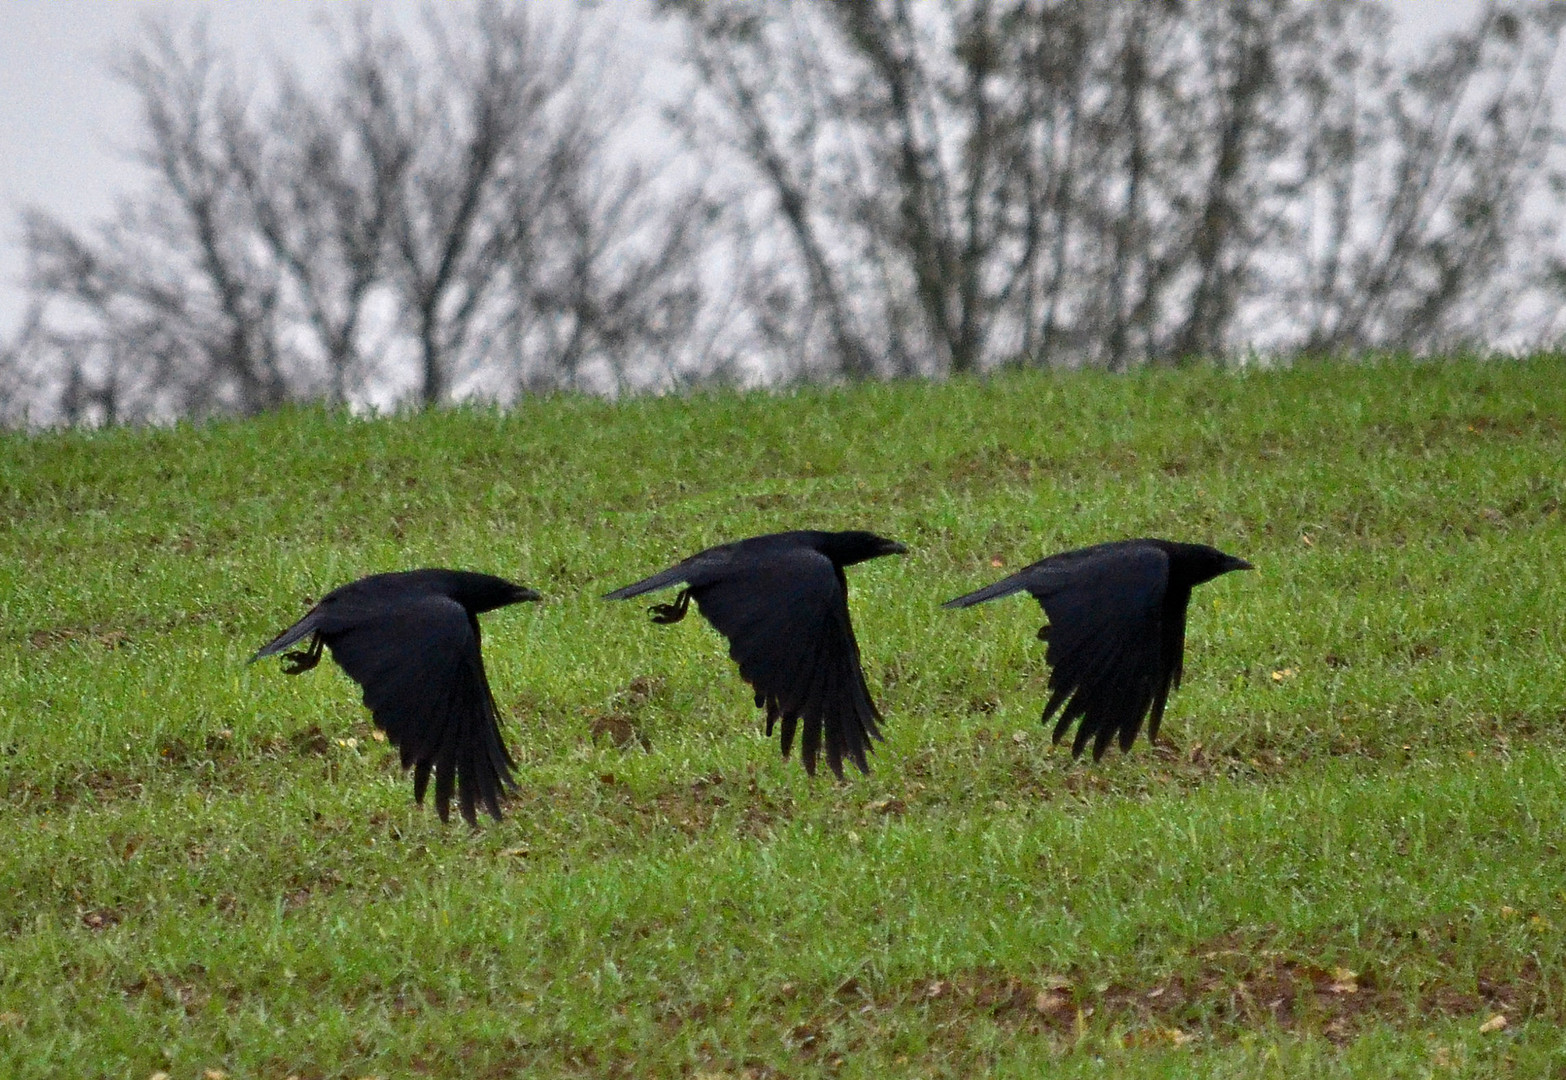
{"points": [[65, 124]]}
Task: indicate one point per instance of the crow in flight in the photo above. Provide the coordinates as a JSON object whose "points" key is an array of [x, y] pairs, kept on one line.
{"points": [[1116, 630], [782, 601], [411, 639]]}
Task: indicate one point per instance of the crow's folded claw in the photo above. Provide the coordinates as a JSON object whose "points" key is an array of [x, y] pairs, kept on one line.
{"points": [[300, 661], [664, 614]]}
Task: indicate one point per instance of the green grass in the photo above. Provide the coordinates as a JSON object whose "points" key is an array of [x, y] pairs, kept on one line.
{"points": [[1344, 859]]}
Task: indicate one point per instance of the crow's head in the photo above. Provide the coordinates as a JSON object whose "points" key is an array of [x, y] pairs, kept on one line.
{"points": [[848, 548], [484, 592], [1196, 563]]}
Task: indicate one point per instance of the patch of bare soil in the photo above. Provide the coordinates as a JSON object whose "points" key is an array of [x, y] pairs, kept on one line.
{"points": [[694, 808], [620, 731], [188, 989], [115, 637], [51, 636], [1228, 990]]}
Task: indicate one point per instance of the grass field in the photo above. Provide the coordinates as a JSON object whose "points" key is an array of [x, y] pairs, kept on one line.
{"points": [[1345, 857]]}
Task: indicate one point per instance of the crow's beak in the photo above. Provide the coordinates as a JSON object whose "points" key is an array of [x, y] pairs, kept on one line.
{"points": [[892, 547], [527, 594], [1239, 564]]}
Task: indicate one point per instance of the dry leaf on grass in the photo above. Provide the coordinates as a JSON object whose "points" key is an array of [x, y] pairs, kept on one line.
{"points": [[1344, 981], [1054, 1000], [1158, 1036]]}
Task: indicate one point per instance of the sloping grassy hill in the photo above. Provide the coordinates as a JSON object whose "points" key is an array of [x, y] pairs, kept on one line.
{"points": [[1345, 858]]}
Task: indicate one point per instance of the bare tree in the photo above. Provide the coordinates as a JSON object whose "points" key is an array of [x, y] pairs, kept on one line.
{"points": [[434, 217], [863, 188], [315, 178], [19, 382], [967, 183], [1416, 183], [173, 277], [614, 280], [467, 130]]}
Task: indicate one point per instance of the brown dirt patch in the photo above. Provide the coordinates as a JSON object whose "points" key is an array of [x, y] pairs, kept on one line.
{"points": [[51, 637], [1223, 992], [695, 808], [620, 731], [115, 637], [186, 989], [100, 919]]}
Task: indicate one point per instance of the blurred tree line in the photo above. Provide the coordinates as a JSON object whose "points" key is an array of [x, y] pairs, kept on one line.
{"points": [[489, 206]]}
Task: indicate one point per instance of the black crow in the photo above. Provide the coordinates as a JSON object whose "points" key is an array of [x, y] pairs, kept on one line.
{"points": [[782, 601], [1116, 630], [411, 639]]}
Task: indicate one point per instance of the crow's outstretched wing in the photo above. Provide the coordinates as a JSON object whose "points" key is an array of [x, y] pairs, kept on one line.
{"points": [[786, 617], [1106, 657], [418, 661]]}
